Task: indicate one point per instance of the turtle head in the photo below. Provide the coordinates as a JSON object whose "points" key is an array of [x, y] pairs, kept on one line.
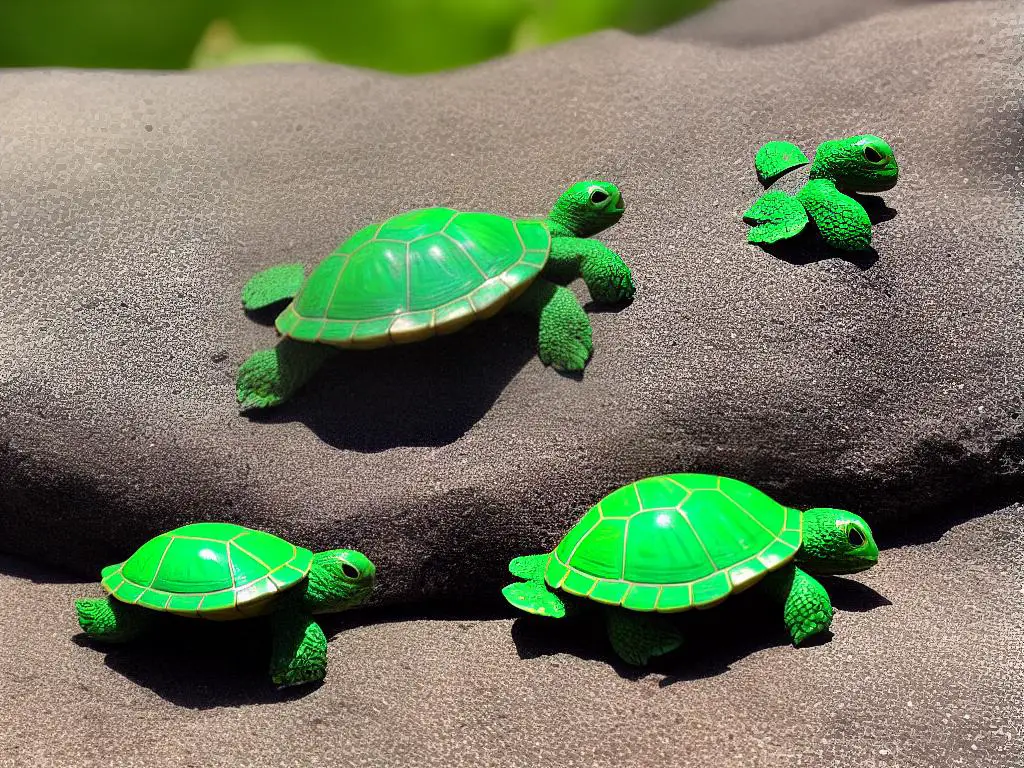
{"points": [[836, 542], [858, 164], [339, 579], [587, 207]]}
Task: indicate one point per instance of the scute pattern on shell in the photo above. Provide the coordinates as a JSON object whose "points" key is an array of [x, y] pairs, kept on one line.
{"points": [[675, 542]]}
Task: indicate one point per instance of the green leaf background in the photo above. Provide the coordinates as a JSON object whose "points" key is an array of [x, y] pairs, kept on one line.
{"points": [[393, 35]]}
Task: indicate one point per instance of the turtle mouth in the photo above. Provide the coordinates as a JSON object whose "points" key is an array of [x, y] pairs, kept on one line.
{"points": [[848, 566], [619, 205], [882, 180]]}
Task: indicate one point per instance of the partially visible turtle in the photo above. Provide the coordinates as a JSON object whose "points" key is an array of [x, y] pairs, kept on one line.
{"points": [[857, 164], [675, 542], [223, 572], [434, 271]]}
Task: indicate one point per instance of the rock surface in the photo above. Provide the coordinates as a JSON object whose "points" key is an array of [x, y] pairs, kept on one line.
{"points": [[133, 207], [923, 670]]}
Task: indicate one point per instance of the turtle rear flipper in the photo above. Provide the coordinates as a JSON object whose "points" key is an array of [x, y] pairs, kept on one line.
{"points": [[529, 567], [842, 221], [777, 158], [273, 285], [636, 637], [777, 216], [271, 376], [533, 597]]}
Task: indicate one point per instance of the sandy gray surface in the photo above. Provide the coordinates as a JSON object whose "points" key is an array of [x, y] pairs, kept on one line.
{"points": [[923, 670], [135, 206]]}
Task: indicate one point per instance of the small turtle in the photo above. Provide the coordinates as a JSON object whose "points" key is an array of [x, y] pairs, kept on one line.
{"points": [[223, 572], [675, 542], [858, 164], [433, 271]]}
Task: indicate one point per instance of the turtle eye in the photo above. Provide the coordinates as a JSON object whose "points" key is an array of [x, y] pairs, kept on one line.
{"points": [[855, 536], [350, 571], [872, 155], [598, 196]]}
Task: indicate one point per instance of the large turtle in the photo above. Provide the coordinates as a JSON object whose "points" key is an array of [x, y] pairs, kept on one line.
{"points": [[675, 542], [223, 571], [433, 271], [858, 164]]}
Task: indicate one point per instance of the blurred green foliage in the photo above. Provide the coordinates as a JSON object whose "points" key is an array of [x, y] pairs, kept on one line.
{"points": [[393, 35]]}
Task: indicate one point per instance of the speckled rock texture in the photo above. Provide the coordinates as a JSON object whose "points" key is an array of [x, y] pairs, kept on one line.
{"points": [[923, 670], [135, 206]]}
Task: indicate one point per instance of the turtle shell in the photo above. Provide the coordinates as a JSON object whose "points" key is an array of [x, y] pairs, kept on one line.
{"points": [[675, 542], [424, 272], [213, 570]]}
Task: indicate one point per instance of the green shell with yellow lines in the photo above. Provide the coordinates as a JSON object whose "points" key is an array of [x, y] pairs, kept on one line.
{"points": [[424, 272], [675, 542], [213, 570]]}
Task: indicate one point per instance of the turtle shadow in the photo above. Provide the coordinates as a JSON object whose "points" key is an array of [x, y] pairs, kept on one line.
{"points": [[427, 394], [206, 664], [38, 574], [809, 247], [713, 640]]}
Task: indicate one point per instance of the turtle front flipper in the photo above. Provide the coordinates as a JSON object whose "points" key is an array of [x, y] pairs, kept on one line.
{"points": [[271, 376], [842, 221], [273, 285], [638, 637], [607, 276], [807, 609], [533, 597], [112, 621], [565, 338], [777, 158], [299, 653], [777, 216]]}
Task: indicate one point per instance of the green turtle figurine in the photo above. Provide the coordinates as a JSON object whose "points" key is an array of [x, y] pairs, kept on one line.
{"points": [[223, 571], [675, 542], [858, 164], [433, 271]]}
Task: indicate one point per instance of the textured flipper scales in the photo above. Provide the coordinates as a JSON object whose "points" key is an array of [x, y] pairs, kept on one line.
{"points": [[777, 158], [273, 285], [299, 651], [637, 637], [842, 221], [533, 597], [565, 338], [807, 610], [529, 567], [777, 216], [271, 376]]}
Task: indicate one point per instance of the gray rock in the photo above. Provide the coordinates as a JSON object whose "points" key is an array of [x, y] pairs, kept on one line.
{"points": [[135, 206], [923, 670]]}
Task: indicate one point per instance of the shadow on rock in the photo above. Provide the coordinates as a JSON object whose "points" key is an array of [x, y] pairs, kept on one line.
{"points": [[809, 248], [928, 525], [425, 394], [205, 664], [713, 640], [21, 569]]}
